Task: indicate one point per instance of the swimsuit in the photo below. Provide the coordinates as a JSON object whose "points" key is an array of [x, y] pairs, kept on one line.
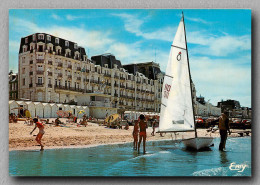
{"points": [[143, 133]]}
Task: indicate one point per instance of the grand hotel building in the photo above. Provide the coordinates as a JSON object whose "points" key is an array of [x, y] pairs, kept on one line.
{"points": [[52, 69]]}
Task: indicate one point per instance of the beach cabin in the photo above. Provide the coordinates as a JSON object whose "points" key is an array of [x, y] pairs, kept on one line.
{"points": [[38, 109], [73, 109], [86, 109], [46, 110], [67, 108], [13, 107], [54, 109], [60, 107], [80, 111], [30, 107]]}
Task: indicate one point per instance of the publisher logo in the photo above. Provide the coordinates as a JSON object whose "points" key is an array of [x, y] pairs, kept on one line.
{"points": [[238, 167]]}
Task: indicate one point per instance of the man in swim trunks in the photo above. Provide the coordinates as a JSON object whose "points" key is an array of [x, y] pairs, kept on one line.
{"points": [[41, 131], [142, 133], [135, 134]]}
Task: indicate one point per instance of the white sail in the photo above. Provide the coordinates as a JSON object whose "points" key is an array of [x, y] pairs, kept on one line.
{"points": [[176, 106]]}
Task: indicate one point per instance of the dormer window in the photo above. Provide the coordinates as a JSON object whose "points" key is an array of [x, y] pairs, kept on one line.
{"points": [[34, 37], [106, 65], [57, 40], [40, 36], [67, 43], [26, 40], [75, 46], [48, 38]]}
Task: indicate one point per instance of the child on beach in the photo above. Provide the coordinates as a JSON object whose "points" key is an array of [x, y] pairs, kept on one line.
{"points": [[41, 131], [142, 134], [135, 134]]}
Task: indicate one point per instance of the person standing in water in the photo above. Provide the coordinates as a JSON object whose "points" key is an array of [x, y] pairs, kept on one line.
{"points": [[41, 132], [142, 133], [135, 134], [223, 129]]}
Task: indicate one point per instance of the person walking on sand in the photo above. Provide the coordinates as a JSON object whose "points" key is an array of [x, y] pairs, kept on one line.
{"points": [[41, 132], [142, 133], [135, 134], [153, 126], [223, 128]]}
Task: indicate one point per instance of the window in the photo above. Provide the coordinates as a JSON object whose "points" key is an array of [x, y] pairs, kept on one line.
{"points": [[39, 68], [49, 81], [39, 80], [75, 46], [23, 70], [23, 81], [34, 37], [40, 36], [57, 40], [48, 38], [67, 43], [26, 40]]}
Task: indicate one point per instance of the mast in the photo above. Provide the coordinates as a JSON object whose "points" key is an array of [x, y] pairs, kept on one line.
{"points": [[190, 77]]}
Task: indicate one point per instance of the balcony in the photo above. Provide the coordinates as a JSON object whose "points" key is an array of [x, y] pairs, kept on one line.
{"points": [[78, 68], [31, 73], [107, 75], [49, 62], [117, 77], [39, 84], [49, 73], [115, 85], [69, 76], [59, 75], [122, 78], [59, 64], [39, 61], [116, 95], [69, 66], [108, 84], [38, 72], [87, 70], [122, 86], [78, 78], [50, 85], [31, 61], [138, 82]]}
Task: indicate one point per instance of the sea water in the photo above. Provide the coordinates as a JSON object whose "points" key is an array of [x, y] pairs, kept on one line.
{"points": [[163, 158]]}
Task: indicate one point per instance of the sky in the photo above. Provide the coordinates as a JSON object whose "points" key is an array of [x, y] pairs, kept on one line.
{"points": [[219, 41]]}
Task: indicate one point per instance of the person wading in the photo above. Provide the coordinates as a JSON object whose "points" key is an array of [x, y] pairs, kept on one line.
{"points": [[223, 129], [142, 133], [41, 132]]}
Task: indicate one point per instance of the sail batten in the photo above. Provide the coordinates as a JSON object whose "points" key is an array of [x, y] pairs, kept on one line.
{"points": [[177, 112]]}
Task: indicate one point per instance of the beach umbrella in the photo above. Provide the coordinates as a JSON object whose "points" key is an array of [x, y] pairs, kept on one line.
{"points": [[81, 112], [60, 113], [27, 114], [112, 118]]}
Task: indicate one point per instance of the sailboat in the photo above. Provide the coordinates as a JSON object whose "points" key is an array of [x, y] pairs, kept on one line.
{"points": [[177, 110]]}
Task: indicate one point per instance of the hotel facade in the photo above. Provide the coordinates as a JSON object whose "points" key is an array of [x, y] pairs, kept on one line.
{"points": [[53, 69]]}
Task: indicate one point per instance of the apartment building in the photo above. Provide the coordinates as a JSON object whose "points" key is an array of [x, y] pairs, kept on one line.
{"points": [[52, 69]]}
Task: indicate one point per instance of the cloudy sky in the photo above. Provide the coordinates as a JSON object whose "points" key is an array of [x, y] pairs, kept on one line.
{"points": [[219, 41]]}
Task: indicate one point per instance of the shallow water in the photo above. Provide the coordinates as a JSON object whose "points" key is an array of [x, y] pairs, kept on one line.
{"points": [[163, 158]]}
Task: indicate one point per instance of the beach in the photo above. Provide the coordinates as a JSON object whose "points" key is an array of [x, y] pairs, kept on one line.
{"points": [[72, 136]]}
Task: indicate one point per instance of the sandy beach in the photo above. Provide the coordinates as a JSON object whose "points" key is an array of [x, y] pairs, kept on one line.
{"points": [[72, 136]]}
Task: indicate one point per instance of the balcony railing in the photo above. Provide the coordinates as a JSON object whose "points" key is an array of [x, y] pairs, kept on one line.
{"points": [[59, 64], [78, 68], [78, 78], [31, 73], [116, 85], [49, 73], [49, 62], [122, 78], [30, 85], [116, 76], [70, 66], [31, 61], [50, 85], [39, 84], [60, 75], [39, 72], [39, 61], [107, 75], [69, 76]]}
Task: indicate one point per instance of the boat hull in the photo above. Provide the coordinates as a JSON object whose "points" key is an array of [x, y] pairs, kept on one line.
{"points": [[198, 143]]}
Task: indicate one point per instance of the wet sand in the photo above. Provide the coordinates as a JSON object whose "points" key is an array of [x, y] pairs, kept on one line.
{"points": [[72, 136]]}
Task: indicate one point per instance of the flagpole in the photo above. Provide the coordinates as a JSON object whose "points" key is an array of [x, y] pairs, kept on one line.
{"points": [[190, 77]]}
